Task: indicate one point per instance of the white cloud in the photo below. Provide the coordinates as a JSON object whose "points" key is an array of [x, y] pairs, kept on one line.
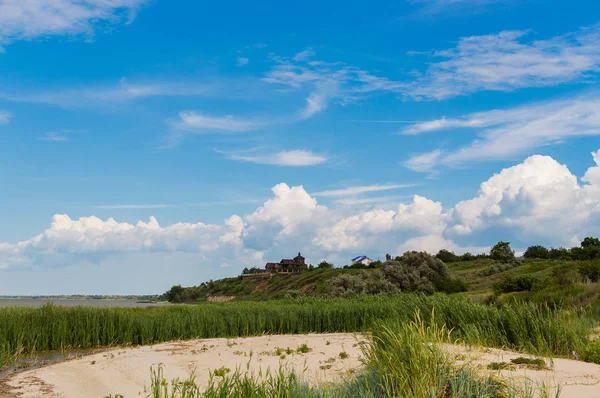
{"points": [[424, 162], [32, 19], [507, 61], [4, 117], [111, 95], [135, 206], [432, 7], [349, 191], [241, 61], [538, 201], [194, 122], [295, 158], [326, 81], [53, 136], [505, 133], [303, 55]]}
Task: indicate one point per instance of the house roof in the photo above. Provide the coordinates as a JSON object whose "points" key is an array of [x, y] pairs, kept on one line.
{"points": [[359, 258]]}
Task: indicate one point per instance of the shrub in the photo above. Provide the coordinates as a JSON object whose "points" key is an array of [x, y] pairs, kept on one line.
{"points": [[559, 253], [515, 284], [502, 252], [537, 252], [592, 352], [455, 286], [500, 267], [415, 272], [590, 270], [447, 256]]}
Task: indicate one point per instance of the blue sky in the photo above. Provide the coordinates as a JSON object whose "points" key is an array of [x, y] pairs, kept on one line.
{"points": [[144, 143]]}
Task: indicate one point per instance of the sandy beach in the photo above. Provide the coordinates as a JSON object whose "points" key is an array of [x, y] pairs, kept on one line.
{"points": [[126, 371]]}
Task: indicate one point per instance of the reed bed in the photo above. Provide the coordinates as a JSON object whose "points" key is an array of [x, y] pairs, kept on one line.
{"points": [[524, 327]]}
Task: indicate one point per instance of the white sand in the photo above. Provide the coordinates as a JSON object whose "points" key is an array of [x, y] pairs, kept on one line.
{"points": [[127, 371], [576, 379]]}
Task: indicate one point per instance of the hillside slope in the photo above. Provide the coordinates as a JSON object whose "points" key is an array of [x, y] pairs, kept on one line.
{"points": [[553, 281]]}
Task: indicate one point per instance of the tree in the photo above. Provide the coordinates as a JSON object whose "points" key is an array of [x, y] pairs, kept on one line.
{"points": [[245, 271], [590, 242], [325, 264], [537, 251], [502, 252], [174, 295], [388, 257]]}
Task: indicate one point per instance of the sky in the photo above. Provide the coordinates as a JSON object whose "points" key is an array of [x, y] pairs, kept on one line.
{"points": [[147, 143]]}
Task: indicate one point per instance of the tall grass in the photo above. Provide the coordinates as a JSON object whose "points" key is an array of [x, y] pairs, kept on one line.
{"points": [[403, 361], [524, 327]]}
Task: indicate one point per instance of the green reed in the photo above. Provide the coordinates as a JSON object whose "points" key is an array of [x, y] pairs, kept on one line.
{"points": [[524, 327]]}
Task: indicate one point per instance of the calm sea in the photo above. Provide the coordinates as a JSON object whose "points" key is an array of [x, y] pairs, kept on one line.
{"points": [[89, 303]]}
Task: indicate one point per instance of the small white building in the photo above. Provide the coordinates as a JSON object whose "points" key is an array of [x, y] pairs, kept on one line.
{"points": [[364, 260]]}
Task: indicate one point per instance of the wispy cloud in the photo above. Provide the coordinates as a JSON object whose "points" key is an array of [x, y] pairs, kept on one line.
{"points": [[302, 55], [327, 81], [195, 122], [380, 200], [31, 19], [4, 116], [506, 133], [241, 61], [53, 136], [357, 190], [434, 7], [293, 158], [424, 162], [135, 206], [111, 95], [508, 61]]}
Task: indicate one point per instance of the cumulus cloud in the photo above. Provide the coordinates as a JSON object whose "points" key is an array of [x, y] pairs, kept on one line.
{"points": [[504, 133], [241, 61], [508, 61], [31, 19], [539, 198], [538, 201]]}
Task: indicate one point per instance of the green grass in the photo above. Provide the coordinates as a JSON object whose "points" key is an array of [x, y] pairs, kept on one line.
{"points": [[524, 327]]}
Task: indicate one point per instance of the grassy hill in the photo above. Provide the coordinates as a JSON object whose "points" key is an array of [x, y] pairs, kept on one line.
{"points": [[556, 281]]}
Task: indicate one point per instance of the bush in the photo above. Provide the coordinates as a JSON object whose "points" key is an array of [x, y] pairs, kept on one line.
{"points": [[455, 286], [592, 352], [510, 284], [499, 267], [590, 270], [502, 252], [415, 272], [447, 256], [559, 254], [585, 253], [537, 252]]}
